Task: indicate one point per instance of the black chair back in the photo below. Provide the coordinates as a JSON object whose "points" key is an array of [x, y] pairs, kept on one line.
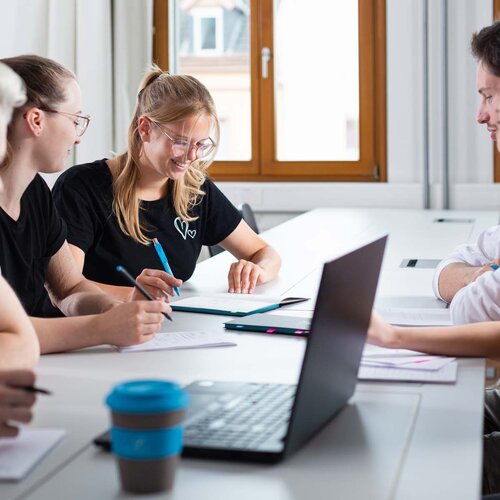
{"points": [[248, 216]]}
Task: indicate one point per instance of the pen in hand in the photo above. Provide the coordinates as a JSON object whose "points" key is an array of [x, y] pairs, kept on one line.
{"points": [[164, 261], [31, 388], [133, 282]]}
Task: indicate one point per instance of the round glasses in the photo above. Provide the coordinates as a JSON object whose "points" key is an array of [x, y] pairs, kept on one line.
{"points": [[181, 147], [81, 122]]}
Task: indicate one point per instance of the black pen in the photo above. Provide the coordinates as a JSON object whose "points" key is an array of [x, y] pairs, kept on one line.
{"points": [[31, 388], [132, 281]]}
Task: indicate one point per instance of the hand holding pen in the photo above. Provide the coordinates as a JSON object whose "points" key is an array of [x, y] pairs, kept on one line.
{"points": [[17, 396], [157, 282], [139, 287], [164, 261]]}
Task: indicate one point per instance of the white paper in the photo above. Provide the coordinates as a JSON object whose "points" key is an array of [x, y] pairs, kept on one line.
{"points": [[20, 454], [410, 362], [408, 316], [180, 340], [375, 351], [231, 302], [447, 374], [375, 356]]}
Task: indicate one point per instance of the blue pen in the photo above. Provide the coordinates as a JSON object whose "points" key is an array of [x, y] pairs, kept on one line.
{"points": [[164, 261], [494, 267]]}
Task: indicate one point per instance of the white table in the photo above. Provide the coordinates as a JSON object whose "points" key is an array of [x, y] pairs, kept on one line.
{"points": [[394, 440]]}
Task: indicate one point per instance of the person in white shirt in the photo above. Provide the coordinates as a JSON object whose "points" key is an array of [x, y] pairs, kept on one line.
{"points": [[467, 279], [19, 347]]}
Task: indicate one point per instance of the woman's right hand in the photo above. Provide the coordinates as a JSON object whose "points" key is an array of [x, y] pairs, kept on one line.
{"points": [[130, 323], [158, 283], [15, 402]]}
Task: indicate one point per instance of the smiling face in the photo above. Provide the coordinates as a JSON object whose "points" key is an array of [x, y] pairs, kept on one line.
{"points": [[159, 156], [488, 86], [58, 131]]}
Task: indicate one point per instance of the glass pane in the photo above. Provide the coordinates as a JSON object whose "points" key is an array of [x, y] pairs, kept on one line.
{"points": [[316, 80], [208, 33], [213, 45]]}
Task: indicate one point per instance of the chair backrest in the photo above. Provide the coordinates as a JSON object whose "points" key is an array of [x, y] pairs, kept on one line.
{"points": [[248, 216]]}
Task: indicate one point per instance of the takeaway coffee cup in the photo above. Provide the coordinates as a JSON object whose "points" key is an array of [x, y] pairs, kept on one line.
{"points": [[146, 435]]}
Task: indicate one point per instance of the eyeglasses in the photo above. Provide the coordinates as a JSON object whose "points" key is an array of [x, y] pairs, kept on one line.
{"points": [[181, 147], [81, 122]]}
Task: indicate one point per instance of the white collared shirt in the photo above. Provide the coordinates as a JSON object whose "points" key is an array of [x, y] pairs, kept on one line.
{"points": [[480, 300]]}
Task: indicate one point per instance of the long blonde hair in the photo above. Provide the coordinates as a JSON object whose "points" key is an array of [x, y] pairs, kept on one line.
{"points": [[164, 99]]}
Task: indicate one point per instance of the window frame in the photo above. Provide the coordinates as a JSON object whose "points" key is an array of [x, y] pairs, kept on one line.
{"points": [[372, 165]]}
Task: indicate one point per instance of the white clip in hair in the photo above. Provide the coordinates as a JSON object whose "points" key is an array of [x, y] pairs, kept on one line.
{"points": [[12, 89]]}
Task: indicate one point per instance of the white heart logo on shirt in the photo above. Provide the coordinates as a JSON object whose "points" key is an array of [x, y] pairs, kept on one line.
{"points": [[183, 227]]}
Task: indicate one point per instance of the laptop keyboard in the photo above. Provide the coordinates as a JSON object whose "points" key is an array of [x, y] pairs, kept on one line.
{"points": [[242, 421]]}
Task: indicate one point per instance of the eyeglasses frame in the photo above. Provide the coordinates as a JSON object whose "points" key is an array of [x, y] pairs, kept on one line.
{"points": [[86, 118], [191, 145]]}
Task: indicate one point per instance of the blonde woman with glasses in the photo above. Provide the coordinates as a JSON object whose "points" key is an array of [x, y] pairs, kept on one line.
{"points": [[34, 256], [158, 191]]}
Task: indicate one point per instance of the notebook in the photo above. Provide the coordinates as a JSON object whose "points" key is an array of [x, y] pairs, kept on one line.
{"points": [[266, 323], [269, 422], [180, 340], [20, 454], [231, 304]]}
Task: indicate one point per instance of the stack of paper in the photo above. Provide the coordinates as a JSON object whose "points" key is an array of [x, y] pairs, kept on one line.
{"points": [[404, 365], [180, 340], [410, 316]]}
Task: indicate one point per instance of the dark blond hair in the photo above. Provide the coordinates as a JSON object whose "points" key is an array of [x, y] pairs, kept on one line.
{"points": [[44, 81], [163, 98]]}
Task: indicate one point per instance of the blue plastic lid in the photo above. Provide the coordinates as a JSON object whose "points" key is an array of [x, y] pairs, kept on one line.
{"points": [[146, 396]]}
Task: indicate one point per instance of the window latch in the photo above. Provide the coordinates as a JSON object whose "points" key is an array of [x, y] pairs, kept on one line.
{"points": [[266, 57]]}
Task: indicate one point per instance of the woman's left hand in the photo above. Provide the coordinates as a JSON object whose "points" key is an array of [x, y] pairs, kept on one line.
{"points": [[243, 276]]}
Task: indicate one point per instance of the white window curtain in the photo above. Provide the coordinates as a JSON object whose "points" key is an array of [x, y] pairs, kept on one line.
{"points": [[107, 43]]}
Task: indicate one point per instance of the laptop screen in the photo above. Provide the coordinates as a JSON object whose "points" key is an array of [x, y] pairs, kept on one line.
{"points": [[338, 332]]}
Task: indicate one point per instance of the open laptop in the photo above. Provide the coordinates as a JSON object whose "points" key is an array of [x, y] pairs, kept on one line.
{"points": [[268, 422]]}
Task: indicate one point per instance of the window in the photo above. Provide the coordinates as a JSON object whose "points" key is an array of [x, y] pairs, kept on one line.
{"points": [[300, 92], [207, 30]]}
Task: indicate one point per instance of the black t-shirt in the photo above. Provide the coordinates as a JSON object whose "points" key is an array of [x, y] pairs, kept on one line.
{"points": [[26, 246], [84, 197]]}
